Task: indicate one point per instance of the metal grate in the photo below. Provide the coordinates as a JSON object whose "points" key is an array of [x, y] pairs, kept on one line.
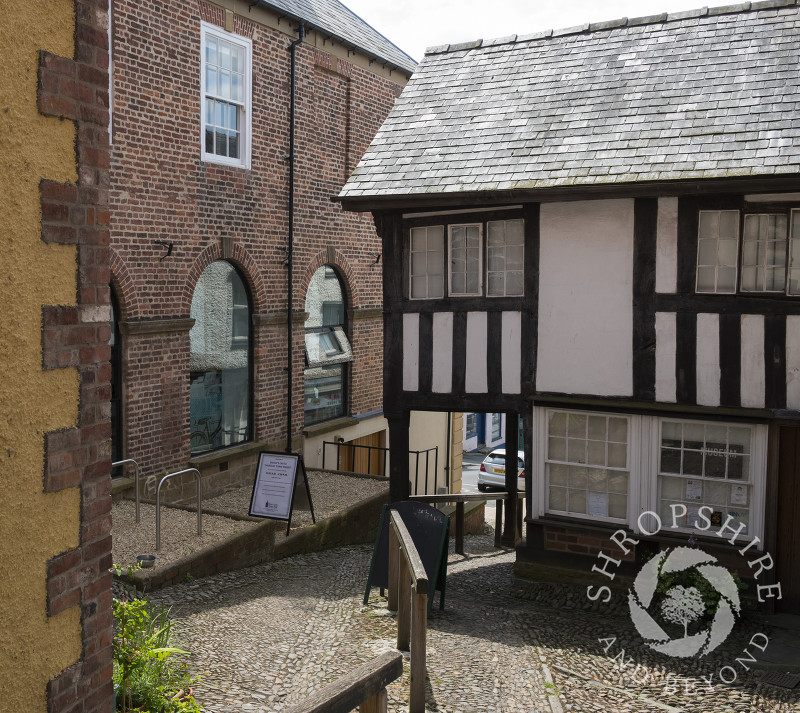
{"points": [[781, 680]]}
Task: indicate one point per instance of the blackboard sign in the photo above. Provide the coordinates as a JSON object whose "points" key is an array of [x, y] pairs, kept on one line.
{"points": [[275, 486], [430, 530]]}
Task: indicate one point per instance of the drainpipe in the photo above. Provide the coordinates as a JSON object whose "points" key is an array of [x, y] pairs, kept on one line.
{"points": [[290, 249]]}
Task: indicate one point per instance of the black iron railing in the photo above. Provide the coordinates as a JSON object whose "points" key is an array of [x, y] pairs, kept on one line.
{"points": [[378, 455]]}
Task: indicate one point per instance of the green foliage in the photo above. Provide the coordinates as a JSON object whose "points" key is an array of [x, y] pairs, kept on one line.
{"points": [[146, 677], [692, 579]]}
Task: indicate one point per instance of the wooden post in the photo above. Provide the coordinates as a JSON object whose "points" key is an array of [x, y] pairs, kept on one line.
{"points": [[498, 523], [460, 527], [511, 531], [419, 629], [394, 558], [379, 703], [403, 606]]}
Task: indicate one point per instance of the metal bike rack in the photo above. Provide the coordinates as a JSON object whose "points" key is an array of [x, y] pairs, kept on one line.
{"points": [[136, 480], [199, 503]]}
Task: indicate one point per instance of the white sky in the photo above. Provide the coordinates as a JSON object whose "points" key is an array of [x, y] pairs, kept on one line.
{"points": [[414, 25]]}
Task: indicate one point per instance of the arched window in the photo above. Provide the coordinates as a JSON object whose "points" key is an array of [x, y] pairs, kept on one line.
{"points": [[219, 362], [116, 383], [327, 347]]}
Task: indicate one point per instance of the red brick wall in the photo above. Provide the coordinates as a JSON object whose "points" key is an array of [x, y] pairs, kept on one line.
{"points": [[162, 191], [584, 542], [78, 337]]}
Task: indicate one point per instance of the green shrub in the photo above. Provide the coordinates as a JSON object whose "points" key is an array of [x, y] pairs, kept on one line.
{"points": [[146, 676]]}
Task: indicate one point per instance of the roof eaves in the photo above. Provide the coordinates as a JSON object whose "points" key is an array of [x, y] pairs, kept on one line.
{"points": [[371, 55]]}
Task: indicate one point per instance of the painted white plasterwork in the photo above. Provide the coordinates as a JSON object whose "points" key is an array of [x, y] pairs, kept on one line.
{"points": [[410, 352], [476, 380], [666, 334], [442, 382], [707, 369], [511, 352], [752, 374], [667, 245], [793, 362], [585, 298]]}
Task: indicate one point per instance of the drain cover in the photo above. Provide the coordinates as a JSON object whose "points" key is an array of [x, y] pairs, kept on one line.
{"points": [[781, 680]]}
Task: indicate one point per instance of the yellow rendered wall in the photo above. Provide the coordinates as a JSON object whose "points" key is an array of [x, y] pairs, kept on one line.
{"points": [[34, 526]]}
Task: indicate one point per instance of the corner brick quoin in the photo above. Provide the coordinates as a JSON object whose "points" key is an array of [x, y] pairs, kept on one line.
{"points": [[77, 337]]}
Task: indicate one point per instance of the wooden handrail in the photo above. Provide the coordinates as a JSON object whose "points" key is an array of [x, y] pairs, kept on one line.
{"points": [[412, 605], [416, 568], [364, 687]]}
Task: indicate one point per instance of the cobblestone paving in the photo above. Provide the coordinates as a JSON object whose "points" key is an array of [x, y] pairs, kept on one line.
{"points": [[265, 637]]}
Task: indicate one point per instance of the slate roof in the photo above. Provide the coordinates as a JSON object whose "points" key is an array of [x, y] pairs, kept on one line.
{"points": [[703, 94], [333, 18]]}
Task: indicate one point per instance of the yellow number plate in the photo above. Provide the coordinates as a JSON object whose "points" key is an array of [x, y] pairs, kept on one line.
{"points": [[500, 471]]}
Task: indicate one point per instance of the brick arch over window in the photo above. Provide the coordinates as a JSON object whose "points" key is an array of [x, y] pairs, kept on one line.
{"points": [[124, 288], [248, 270], [353, 297]]}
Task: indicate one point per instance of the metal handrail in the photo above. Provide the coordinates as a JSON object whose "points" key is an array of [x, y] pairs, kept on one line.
{"points": [[135, 479], [199, 503]]}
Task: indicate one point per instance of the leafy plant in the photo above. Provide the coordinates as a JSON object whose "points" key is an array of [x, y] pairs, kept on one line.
{"points": [[146, 678]]}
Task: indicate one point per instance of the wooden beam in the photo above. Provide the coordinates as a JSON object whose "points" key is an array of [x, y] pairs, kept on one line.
{"points": [[352, 689]]}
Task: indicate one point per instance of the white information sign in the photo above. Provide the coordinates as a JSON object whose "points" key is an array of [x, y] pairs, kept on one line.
{"points": [[274, 486], [694, 489], [597, 504]]}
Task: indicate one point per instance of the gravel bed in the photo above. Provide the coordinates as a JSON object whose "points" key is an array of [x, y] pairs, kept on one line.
{"points": [[330, 493]]}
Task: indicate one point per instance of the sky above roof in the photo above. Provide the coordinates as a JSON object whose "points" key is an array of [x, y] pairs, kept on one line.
{"points": [[414, 25]]}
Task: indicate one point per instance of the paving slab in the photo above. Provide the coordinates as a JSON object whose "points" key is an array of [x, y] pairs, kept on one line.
{"points": [[265, 637]]}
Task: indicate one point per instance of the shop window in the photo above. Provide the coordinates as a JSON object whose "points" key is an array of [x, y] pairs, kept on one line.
{"points": [[472, 425], [705, 464], [497, 426], [219, 361], [587, 465], [327, 348]]}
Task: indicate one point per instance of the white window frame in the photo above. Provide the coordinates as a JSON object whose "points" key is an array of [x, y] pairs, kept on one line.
{"points": [[756, 480], [644, 451], [761, 268], [505, 269], [479, 292], [717, 265], [541, 494], [427, 274], [206, 30]]}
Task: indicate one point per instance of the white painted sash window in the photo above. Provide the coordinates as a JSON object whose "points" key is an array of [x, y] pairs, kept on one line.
{"points": [[427, 262], [770, 252], [505, 252], [466, 253], [615, 468], [705, 464], [587, 465], [225, 96], [465, 259], [717, 251], [764, 253]]}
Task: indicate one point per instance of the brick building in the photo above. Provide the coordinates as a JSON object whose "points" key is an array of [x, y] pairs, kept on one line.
{"points": [[55, 513], [203, 202]]}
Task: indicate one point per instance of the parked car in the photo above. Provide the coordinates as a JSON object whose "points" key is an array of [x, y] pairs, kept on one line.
{"points": [[492, 473]]}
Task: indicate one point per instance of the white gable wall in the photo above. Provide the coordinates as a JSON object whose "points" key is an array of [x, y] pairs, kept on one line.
{"points": [[585, 298]]}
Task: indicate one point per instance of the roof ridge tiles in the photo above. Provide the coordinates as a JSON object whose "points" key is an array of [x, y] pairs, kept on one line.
{"points": [[617, 24]]}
